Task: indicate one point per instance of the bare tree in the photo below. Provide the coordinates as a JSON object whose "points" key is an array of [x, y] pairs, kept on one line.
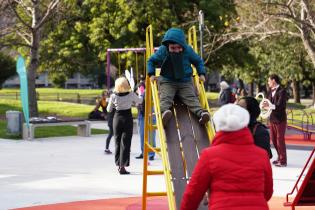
{"points": [[263, 18], [22, 27]]}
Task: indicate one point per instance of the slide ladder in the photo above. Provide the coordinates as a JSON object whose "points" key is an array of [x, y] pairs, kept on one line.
{"points": [[181, 141]]}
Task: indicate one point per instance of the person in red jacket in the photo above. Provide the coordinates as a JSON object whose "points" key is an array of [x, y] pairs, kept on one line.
{"points": [[236, 173]]}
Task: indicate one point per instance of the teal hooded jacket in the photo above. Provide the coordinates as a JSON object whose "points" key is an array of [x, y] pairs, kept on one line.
{"points": [[176, 35]]}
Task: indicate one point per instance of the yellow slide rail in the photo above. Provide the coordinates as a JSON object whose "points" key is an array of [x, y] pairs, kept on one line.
{"points": [[192, 41], [152, 95]]}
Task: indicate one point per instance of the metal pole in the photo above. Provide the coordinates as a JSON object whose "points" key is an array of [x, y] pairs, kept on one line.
{"points": [[108, 69], [201, 27]]}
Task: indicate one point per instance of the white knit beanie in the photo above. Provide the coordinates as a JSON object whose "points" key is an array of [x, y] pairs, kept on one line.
{"points": [[230, 117]]}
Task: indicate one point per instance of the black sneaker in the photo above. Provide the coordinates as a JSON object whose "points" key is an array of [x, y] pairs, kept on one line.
{"points": [[205, 117], [107, 151], [140, 156], [166, 116], [123, 171]]}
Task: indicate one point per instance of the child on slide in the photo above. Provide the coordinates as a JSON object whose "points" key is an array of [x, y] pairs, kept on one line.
{"points": [[175, 57]]}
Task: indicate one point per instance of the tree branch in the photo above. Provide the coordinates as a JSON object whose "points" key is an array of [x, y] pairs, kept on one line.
{"points": [[23, 36], [11, 43], [53, 4], [306, 7], [17, 15], [27, 9]]}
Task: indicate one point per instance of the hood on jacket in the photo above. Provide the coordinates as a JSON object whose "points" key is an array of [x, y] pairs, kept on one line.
{"points": [[176, 35]]}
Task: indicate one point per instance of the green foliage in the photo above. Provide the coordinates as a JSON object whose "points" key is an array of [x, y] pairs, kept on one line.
{"points": [[3, 131], [280, 55], [58, 79], [88, 28], [7, 68], [219, 14]]}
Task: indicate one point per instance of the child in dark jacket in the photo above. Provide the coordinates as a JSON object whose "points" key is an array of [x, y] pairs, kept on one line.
{"points": [[175, 57]]}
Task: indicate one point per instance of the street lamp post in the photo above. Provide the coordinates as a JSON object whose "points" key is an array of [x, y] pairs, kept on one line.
{"points": [[201, 27]]}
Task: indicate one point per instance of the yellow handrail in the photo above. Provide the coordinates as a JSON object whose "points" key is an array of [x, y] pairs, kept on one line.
{"points": [[192, 41], [152, 92]]}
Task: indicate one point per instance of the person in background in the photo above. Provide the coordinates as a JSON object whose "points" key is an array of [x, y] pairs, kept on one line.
{"points": [[121, 100], [96, 114], [225, 94], [101, 102], [278, 118], [259, 130], [110, 117], [141, 112], [237, 173], [175, 57]]}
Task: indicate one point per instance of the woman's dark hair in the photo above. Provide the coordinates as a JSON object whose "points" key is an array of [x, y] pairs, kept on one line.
{"points": [[252, 107], [275, 77]]}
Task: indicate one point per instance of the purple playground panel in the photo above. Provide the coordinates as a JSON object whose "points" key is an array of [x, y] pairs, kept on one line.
{"points": [[305, 126], [109, 50], [136, 50], [307, 130]]}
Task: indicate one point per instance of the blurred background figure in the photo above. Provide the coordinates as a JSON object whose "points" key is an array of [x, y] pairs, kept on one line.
{"points": [[259, 130], [225, 95], [141, 112]]}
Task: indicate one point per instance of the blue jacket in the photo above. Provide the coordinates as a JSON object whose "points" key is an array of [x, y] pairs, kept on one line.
{"points": [[189, 56]]}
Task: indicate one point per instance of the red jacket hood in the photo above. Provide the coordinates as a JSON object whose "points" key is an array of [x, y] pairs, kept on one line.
{"points": [[240, 137]]}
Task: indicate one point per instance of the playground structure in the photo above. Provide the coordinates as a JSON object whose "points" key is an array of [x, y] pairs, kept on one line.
{"points": [[305, 124], [304, 188], [181, 141], [183, 138]]}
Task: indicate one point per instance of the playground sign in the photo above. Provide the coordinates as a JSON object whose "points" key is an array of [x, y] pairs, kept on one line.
{"points": [[21, 70]]}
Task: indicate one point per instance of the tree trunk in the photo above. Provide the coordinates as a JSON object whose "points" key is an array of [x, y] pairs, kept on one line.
{"points": [[296, 91], [306, 38], [251, 89], [313, 94], [34, 62]]}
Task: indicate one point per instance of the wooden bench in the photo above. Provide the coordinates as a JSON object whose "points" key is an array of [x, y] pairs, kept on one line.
{"points": [[83, 127]]}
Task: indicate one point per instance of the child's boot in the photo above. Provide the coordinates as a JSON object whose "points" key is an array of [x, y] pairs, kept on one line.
{"points": [[204, 118]]}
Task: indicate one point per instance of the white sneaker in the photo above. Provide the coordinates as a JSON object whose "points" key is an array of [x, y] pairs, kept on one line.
{"points": [[166, 116]]}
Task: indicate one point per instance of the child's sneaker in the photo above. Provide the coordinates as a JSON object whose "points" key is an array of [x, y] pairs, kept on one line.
{"points": [[205, 117], [166, 116]]}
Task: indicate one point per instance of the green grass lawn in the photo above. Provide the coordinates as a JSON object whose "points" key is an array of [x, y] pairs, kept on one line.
{"points": [[55, 94], [75, 110], [51, 108], [55, 90]]}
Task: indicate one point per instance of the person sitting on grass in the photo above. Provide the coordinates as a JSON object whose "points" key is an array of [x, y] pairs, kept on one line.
{"points": [[175, 57]]}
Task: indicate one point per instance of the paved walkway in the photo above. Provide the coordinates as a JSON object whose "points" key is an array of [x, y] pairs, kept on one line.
{"points": [[65, 169]]}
